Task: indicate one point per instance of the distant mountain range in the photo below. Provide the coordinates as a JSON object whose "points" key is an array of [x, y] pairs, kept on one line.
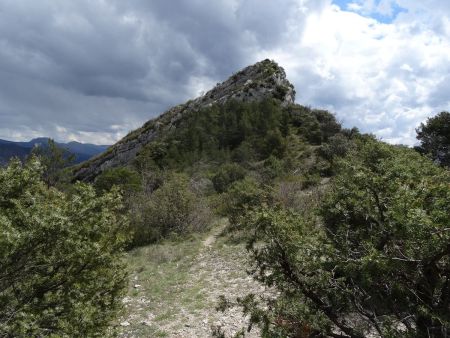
{"points": [[82, 151]]}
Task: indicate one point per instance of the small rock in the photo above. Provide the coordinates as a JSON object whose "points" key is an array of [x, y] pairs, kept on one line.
{"points": [[136, 286], [125, 323]]}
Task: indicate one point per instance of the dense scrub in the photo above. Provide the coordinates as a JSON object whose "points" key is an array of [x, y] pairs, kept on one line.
{"points": [[173, 208], [351, 232], [212, 155], [372, 258], [364, 253], [61, 269]]}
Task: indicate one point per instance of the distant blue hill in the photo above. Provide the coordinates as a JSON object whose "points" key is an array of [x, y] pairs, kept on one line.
{"points": [[82, 151]]}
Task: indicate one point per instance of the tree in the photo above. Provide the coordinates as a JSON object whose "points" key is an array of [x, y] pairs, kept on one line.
{"points": [[434, 137], [376, 261], [61, 268], [53, 159], [125, 178]]}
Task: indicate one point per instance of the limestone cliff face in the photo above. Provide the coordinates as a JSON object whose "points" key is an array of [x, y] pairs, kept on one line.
{"points": [[262, 80]]}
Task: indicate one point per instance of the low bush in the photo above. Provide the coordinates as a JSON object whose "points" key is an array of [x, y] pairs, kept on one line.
{"points": [[226, 175], [273, 167], [172, 208], [242, 196]]}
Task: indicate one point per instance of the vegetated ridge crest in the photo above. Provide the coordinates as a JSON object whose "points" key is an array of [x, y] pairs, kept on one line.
{"points": [[260, 81]]}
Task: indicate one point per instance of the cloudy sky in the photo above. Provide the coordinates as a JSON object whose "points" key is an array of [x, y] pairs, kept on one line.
{"points": [[92, 70]]}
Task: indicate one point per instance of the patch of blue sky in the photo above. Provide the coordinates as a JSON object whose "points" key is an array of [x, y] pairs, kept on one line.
{"points": [[343, 4], [359, 6]]}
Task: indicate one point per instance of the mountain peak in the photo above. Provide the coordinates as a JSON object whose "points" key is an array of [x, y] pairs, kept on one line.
{"points": [[263, 80], [253, 83]]}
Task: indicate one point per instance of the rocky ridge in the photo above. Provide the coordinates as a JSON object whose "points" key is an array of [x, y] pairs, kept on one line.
{"points": [[260, 81]]}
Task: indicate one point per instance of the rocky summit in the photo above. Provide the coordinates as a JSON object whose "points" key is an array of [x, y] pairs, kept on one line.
{"points": [[260, 81]]}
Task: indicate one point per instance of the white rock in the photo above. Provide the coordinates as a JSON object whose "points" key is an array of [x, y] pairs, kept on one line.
{"points": [[125, 323]]}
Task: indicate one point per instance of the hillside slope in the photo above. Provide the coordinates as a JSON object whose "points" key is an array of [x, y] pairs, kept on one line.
{"points": [[263, 80], [10, 149]]}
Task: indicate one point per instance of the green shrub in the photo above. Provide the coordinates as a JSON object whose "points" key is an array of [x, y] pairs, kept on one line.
{"points": [[125, 178], [172, 208], [273, 167], [227, 174], [328, 124], [379, 254], [336, 147], [295, 148], [273, 144], [315, 126], [149, 157], [280, 92], [61, 268], [244, 153], [310, 180], [242, 196]]}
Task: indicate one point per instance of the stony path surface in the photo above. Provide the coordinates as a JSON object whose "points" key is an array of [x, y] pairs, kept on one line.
{"points": [[186, 308], [219, 272]]}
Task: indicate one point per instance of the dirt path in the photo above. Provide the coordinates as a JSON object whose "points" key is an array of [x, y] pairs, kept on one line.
{"points": [[178, 298], [212, 237]]}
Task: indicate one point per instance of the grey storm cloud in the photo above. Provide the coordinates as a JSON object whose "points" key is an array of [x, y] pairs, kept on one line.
{"points": [[92, 70], [71, 68]]}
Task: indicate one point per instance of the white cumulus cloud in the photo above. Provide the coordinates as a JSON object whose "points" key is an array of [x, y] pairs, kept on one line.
{"points": [[384, 78]]}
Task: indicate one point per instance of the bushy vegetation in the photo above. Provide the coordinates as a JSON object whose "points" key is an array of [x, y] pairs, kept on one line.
{"points": [[173, 208], [242, 196], [239, 147], [61, 272], [351, 234], [227, 175], [125, 178], [374, 258]]}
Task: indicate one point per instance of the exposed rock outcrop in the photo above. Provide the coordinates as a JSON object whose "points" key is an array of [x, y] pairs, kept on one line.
{"points": [[262, 80]]}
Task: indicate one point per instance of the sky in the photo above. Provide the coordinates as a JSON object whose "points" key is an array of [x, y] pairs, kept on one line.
{"points": [[92, 70]]}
